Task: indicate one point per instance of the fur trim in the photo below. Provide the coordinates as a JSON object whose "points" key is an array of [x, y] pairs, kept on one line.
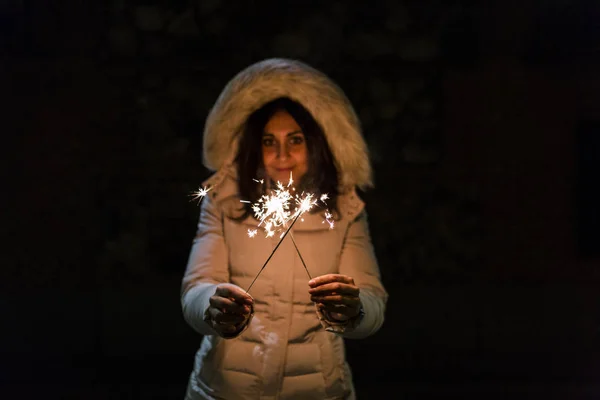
{"points": [[273, 78]]}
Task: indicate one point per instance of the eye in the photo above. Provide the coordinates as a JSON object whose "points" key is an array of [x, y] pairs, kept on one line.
{"points": [[267, 142], [296, 140]]}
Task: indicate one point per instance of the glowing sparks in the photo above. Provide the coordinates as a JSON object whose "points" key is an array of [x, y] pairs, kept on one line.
{"points": [[328, 216], [329, 219], [275, 211], [306, 203], [278, 212], [200, 193]]}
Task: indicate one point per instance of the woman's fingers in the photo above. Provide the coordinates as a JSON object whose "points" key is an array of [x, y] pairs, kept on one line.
{"points": [[226, 328], [335, 287], [336, 299], [335, 295], [330, 278], [333, 284], [228, 305], [335, 290], [235, 293], [222, 318], [337, 309]]}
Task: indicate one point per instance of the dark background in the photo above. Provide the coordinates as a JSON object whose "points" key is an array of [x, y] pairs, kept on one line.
{"points": [[483, 119]]}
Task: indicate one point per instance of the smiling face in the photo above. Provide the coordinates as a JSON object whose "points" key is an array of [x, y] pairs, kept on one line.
{"points": [[280, 138], [284, 148]]}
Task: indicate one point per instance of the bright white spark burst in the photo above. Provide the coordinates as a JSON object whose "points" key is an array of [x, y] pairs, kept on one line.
{"points": [[200, 193], [274, 211]]}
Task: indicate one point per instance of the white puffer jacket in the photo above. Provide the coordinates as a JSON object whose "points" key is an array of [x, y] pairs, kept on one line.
{"points": [[288, 351]]}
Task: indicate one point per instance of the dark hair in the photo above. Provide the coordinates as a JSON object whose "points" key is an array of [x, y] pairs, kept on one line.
{"points": [[322, 174]]}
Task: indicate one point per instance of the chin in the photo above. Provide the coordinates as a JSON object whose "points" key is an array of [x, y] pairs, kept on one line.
{"points": [[282, 176]]}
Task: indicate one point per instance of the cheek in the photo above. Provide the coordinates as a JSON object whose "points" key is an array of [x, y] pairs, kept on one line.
{"points": [[267, 156], [302, 158]]}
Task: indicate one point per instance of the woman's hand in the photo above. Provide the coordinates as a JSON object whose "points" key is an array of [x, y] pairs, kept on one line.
{"points": [[337, 295], [229, 309]]}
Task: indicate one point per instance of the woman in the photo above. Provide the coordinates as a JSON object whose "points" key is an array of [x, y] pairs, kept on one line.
{"points": [[284, 339]]}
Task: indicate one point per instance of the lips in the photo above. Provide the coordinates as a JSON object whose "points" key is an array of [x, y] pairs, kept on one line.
{"points": [[283, 174]]}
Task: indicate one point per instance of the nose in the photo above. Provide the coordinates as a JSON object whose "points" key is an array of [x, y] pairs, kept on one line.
{"points": [[282, 151]]}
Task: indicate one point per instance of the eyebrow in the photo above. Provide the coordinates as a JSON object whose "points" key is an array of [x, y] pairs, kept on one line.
{"points": [[287, 134]]}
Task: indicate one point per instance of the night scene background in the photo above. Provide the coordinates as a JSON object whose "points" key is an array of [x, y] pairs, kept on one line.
{"points": [[483, 119]]}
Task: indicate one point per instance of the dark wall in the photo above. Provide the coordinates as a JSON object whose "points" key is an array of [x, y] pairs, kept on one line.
{"points": [[473, 114]]}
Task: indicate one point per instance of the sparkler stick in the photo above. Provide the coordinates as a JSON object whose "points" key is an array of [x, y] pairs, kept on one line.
{"points": [[300, 255], [273, 252], [274, 212]]}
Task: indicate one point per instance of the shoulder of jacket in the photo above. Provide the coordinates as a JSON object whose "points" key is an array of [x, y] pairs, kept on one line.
{"points": [[222, 185], [350, 205]]}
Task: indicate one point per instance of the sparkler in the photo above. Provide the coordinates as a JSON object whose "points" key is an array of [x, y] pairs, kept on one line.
{"points": [[274, 212], [300, 255], [200, 193], [306, 204]]}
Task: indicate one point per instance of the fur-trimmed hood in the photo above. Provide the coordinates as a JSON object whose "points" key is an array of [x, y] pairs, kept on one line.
{"points": [[269, 79]]}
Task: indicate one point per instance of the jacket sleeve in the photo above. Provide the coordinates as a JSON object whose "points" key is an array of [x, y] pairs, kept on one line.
{"points": [[206, 268], [358, 261]]}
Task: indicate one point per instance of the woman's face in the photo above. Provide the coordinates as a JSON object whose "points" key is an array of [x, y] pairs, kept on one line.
{"points": [[284, 148]]}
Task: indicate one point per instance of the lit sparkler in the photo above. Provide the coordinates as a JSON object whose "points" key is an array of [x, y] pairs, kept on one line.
{"points": [[297, 214], [200, 193], [329, 219], [275, 212]]}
